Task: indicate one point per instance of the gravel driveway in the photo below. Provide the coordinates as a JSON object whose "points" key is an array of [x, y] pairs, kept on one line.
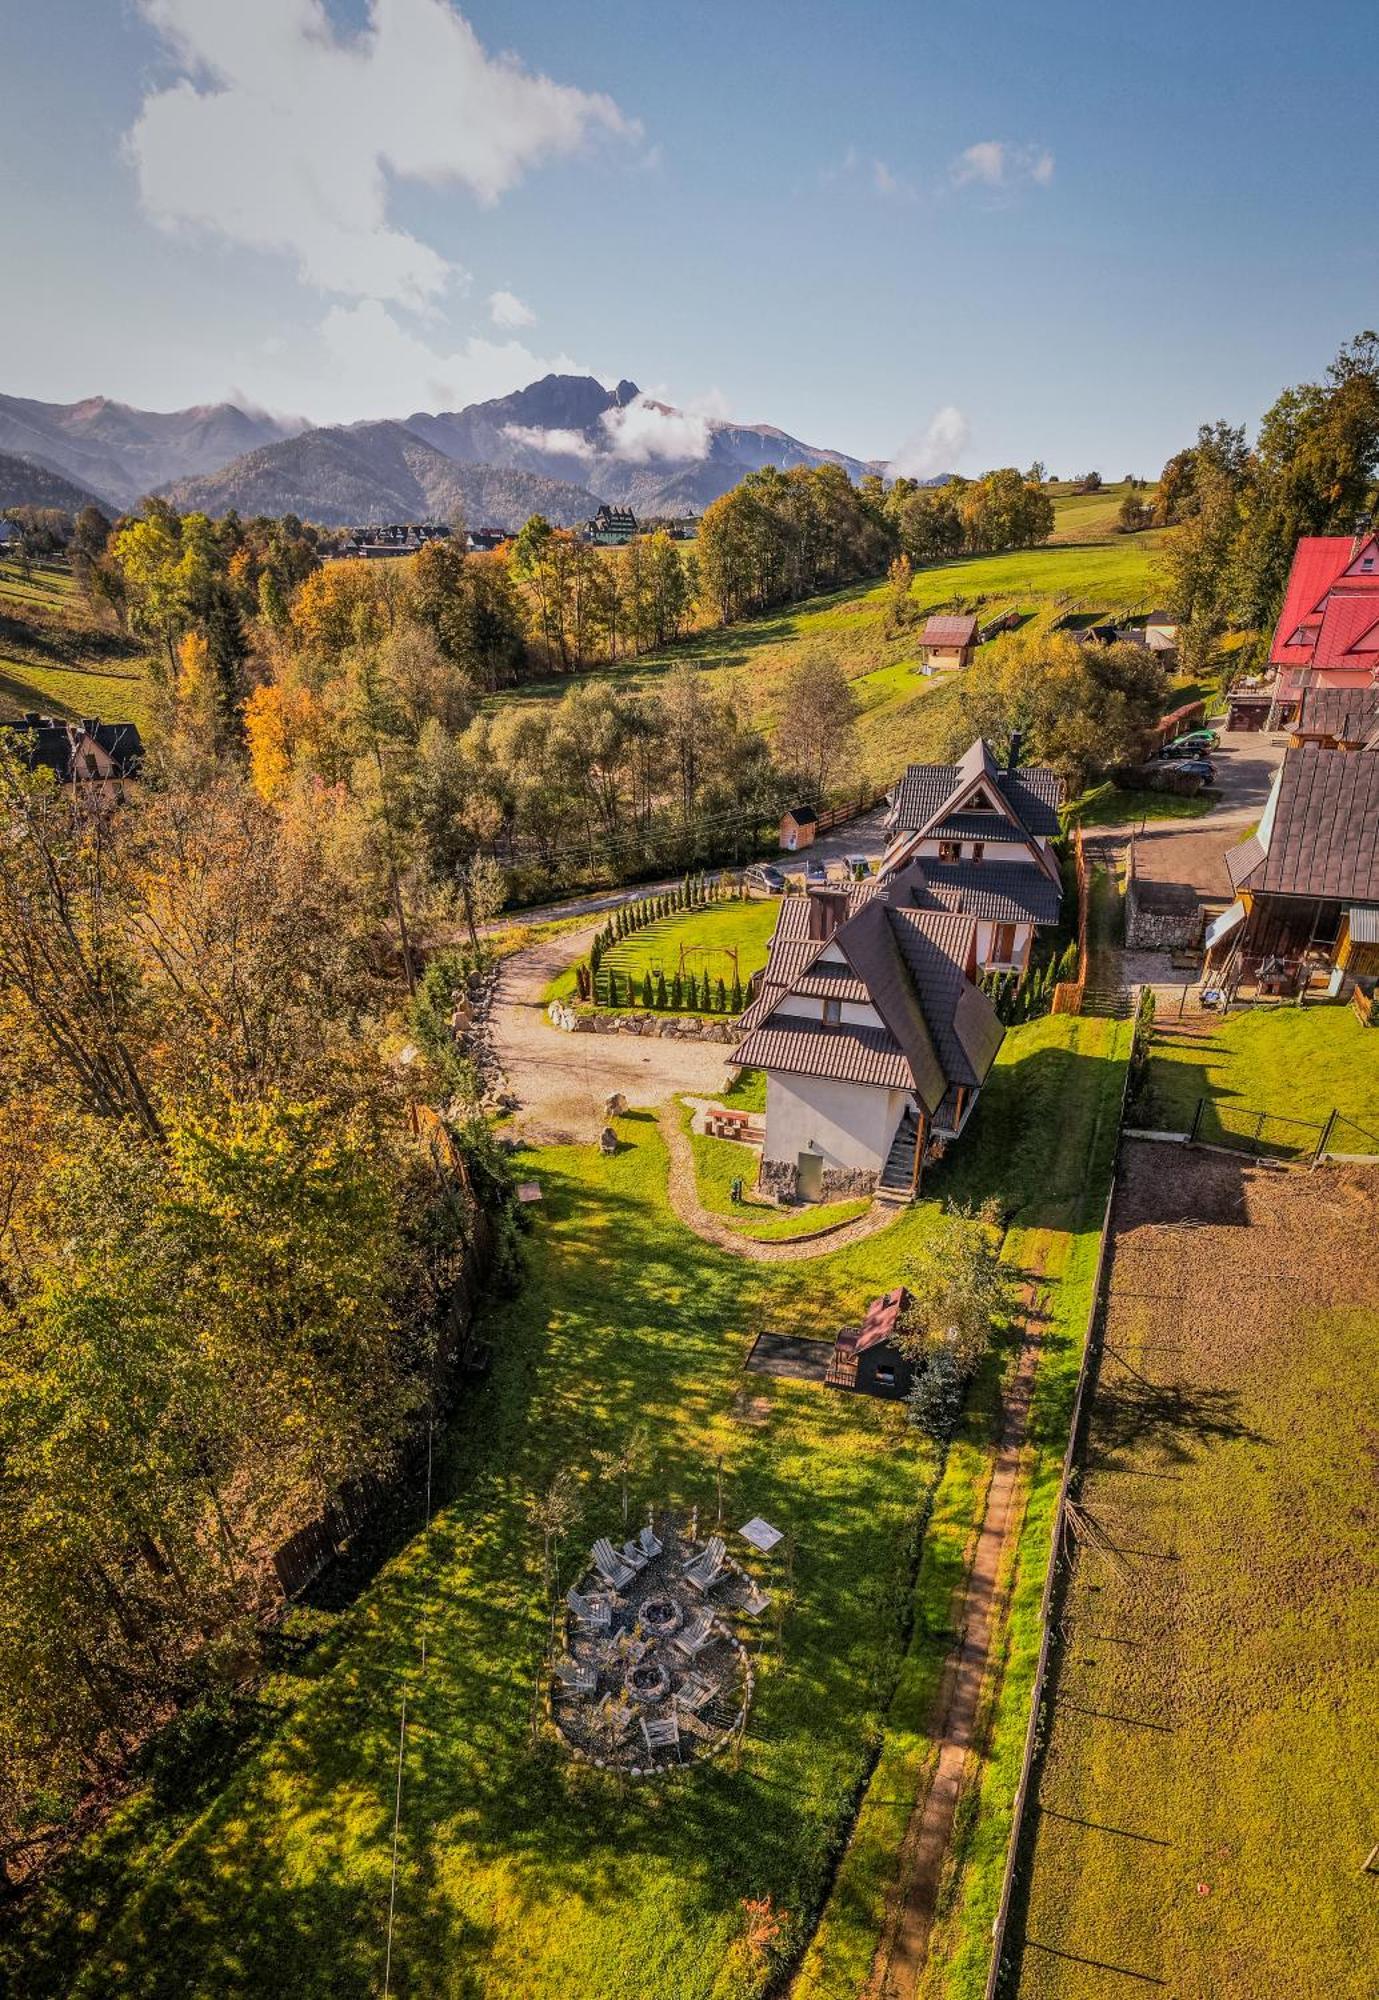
{"points": [[562, 1080]]}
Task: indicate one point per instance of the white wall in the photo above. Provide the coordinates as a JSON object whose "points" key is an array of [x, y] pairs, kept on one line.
{"points": [[850, 1124]]}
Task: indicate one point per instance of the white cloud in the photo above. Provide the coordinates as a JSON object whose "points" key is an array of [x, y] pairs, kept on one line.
{"points": [[998, 163], [570, 444], [935, 449], [284, 136], [875, 174], [506, 309], [644, 430], [378, 368]]}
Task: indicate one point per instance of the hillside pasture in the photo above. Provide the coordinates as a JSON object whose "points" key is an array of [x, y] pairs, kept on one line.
{"points": [[269, 1869], [57, 658], [1206, 1802]]}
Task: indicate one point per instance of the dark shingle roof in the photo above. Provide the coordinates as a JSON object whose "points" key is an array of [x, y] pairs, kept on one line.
{"points": [[813, 1048], [1325, 835], [1351, 714], [1033, 793], [1242, 860], [998, 892], [906, 959]]}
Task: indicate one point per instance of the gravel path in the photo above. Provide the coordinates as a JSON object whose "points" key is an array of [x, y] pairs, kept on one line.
{"points": [[562, 1080], [684, 1200]]}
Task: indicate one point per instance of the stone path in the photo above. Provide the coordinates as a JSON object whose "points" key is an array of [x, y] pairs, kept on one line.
{"points": [[684, 1200], [904, 1949]]}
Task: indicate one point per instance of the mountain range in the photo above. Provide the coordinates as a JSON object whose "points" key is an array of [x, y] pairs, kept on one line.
{"points": [[558, 447]]}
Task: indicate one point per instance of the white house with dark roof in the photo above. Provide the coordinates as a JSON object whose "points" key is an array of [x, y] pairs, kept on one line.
{"points": [[874, 1036], [984, 836]]}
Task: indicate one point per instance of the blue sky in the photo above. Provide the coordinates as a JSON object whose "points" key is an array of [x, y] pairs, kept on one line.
{"points": [[985, 233]]}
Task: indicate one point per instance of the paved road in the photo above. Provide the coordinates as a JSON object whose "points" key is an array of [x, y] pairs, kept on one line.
{"points": [[1193, 851], [562, 1080]]}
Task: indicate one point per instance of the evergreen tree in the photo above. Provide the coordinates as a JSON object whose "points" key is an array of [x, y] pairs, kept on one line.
{"points": [[677, 993], [722, 1000], [737, 994], [661, 1000]]}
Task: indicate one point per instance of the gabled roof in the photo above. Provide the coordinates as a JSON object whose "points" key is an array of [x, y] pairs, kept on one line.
{"points": [[908, 963], [802, 815], [1031, 794], [878, 1326], [1242, 861], [949, 630], [1322, 564], [1324, 834]]}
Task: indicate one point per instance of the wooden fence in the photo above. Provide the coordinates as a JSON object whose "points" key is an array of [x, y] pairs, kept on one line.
{"points": [[1069, 994], [1034, 1736]]}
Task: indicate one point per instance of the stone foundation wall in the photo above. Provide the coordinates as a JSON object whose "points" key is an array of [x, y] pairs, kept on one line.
{"points": [[1162, 917], [780, 1178], [663, 1027]]}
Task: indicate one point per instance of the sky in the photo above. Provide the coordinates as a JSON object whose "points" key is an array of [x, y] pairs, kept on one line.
{"points": [[950, 236]]}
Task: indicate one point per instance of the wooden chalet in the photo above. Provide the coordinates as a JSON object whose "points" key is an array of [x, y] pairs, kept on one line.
{"points": [[95, 759], [866, 1357], [1306, 909], [874, 1036], [984, 836], [1337, 718]]}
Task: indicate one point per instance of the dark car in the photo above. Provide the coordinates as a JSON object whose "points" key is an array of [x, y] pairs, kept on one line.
{"points": [[814, 871], [1192, 767], [765, 878]]}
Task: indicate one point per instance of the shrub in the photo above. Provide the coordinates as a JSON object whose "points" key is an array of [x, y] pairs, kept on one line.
{"points": [[722, 1000], [677, 993], [661, 1000]]}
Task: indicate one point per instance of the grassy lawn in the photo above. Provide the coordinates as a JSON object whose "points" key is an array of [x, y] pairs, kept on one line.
{"points": [[1206, 1800], [518, 1872], [56, 659], [747, 1092], [1294, 1062], [719, 1162], [1108, 805], [904, 716], [1046, 1148]]}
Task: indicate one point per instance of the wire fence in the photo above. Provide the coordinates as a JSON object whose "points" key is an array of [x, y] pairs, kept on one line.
{"points": [[1262, 1134]]}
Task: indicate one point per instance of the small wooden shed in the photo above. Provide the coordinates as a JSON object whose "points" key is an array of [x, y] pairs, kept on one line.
{"points": [[866, 1358], [798, 828]]}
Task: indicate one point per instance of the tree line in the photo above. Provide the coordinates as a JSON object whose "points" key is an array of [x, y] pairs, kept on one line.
{"points": [[224, 1258], [1240, 508]]}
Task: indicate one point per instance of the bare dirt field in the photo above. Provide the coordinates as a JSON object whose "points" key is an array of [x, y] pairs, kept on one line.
{"points": [[1210, 1791]]}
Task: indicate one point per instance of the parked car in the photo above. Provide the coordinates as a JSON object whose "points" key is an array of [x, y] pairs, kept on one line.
{"points": [[814, 871], [858, 866], [763, 877], [1192, 767], [1197, 742]]}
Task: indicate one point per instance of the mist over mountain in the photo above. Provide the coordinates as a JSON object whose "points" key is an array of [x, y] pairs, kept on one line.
{"points": [[558, 447], [120, 453], [346, 475], [27, 482]]}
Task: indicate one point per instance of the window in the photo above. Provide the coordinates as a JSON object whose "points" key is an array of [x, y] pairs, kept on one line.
{"points": [[950, 850], [977, 847], [1003, 944], [833, 1010], [885, 1378]]}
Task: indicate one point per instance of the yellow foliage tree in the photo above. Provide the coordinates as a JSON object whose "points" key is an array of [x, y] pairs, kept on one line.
{"points": [[280, 723]]}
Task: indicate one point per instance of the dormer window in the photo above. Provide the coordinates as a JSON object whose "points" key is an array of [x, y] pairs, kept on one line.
{"points": [[833, 1011], [977, 849], [950, 850]]}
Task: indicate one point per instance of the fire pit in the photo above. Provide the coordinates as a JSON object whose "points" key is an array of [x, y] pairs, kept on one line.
{"points": [[648, 1682], [660, 1616]]}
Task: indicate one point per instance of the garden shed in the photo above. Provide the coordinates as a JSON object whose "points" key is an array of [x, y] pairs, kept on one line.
{"points": [[866, 1357], [798, 827]]}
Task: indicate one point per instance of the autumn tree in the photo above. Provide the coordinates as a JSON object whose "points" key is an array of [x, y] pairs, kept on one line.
{"points": [[816, 737]]}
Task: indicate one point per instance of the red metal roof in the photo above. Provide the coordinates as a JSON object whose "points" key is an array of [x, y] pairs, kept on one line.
{"points": [[1319, 567]]}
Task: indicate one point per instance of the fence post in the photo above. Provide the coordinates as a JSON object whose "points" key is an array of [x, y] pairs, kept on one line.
{"points": [[1196, 1121], [1325, 1139]]}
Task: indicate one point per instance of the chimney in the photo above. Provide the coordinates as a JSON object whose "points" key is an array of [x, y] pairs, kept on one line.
{"points": [[828, 908], [1017, 737]]}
